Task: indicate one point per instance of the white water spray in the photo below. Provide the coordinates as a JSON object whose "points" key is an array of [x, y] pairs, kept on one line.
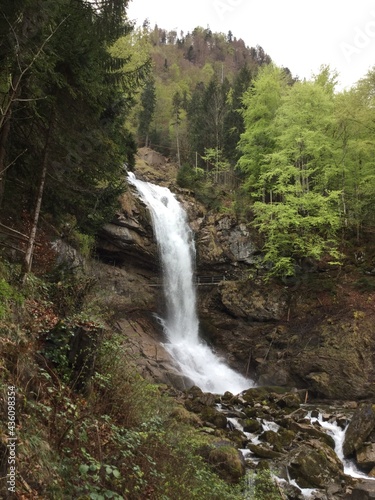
{"points": [[181, 325]]}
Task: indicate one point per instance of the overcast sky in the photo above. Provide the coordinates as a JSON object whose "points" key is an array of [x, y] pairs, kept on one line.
{"points": [[297, 34]]}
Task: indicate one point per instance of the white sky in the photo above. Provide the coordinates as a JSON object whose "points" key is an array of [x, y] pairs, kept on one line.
{"points": [[297, 34]]}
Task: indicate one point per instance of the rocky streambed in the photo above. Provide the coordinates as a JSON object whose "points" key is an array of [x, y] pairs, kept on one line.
{"points": [[311, 450]]}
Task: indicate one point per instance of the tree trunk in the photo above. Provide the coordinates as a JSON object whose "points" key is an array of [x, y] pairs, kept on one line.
{"points": [[178, 147], [4, 133], [31, 243]]}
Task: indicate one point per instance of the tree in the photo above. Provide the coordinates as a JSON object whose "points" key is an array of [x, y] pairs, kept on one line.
{"points": [[355, 118], [299, 217], [177, 104], [233, 120], [261, 103], [70, 97], [148, 99]]}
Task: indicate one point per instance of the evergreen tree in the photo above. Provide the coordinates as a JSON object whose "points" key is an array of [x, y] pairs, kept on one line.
{"points": [[62, 134], [233, 120], [148, 99]]}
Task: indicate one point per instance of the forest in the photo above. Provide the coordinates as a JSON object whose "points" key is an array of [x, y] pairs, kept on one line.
{"points": [[81, 89]]}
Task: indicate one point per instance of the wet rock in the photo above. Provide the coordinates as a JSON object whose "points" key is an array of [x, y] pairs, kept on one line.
{"points": [[263, 451], [315, 465], [360, 427], [226, 460], [364, 490], [366, 455], [251, 425]]}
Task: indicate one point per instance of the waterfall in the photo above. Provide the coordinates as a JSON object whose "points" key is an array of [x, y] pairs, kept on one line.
{"points": [[177, 254]]}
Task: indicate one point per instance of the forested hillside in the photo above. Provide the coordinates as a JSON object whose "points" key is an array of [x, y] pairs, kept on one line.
{"points": [[295, 158], [191, 101]]}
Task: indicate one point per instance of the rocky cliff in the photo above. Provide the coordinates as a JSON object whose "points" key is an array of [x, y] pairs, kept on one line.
{"points": [[316, 333]]}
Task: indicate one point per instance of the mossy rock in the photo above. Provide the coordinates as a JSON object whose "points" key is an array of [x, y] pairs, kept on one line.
{"points": [[227, 462], [181, 414], [255, 394], [290, 401], [309, 431], [251, 425], [286, 437], [263, 451], [315, 466], [197, 399], [272, 438], [250, 412], [237, 437], [214, 417]]}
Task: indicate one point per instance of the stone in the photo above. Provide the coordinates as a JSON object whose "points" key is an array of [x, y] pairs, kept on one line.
{"points": [[262, 451], [226, 460], [214, 417], [246, 300], [359, 428], [251, 425], [315, 465], [365, 455], [363, 490], [309, 432]]}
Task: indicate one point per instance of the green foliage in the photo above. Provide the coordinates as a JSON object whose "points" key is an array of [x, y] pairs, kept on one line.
{"points": [[292, 173], [8, 295], [261, 486], [261, 102]]}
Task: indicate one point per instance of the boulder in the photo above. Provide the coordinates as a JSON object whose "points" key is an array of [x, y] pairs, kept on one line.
{"points": [[263, 451], [360, 427], [308, 431], [251, 425], [314, 465], [366, 455], [364, 490], [225, 459]]}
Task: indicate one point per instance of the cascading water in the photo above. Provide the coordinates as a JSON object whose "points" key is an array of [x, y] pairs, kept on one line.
{"points": [[181, 325], [338, 435]]}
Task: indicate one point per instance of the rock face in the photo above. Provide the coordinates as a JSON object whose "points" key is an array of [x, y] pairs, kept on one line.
{"points": [[221, 239], [129, 237], [243, 299]]}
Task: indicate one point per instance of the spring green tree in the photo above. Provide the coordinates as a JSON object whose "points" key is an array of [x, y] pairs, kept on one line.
{"points": [[297, 203]]}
